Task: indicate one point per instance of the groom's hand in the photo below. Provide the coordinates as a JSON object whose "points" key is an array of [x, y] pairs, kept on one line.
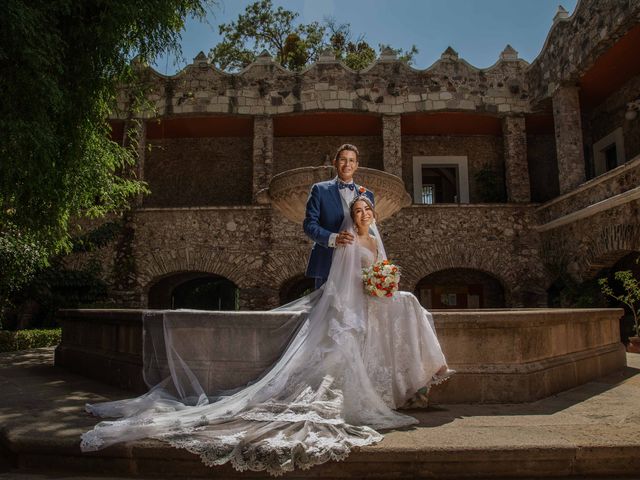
{"points": [[344, 238]]}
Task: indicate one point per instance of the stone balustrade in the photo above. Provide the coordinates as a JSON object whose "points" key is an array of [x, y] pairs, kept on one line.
{"points": [[617, 182]]}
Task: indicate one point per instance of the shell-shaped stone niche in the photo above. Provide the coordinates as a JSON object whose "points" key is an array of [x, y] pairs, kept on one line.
{"points": [[288, 191]]}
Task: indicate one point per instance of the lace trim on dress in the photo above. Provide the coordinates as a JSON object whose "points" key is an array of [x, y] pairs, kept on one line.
{"points": [[278, 454]]}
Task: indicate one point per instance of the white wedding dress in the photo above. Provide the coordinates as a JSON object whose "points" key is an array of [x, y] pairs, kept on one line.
{"points": [[352, 361]]}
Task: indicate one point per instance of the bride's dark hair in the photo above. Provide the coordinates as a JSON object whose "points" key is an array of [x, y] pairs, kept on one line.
{"points": [[366, 200]]}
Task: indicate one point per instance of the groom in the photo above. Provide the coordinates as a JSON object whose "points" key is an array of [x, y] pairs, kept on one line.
{"points": [[327, 206]]}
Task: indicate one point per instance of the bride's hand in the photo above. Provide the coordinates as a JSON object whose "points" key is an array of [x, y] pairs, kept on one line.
{"points": [[344, 238]]}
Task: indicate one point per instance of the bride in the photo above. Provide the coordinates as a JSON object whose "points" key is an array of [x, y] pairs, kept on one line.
{"points": [[351, 363]]}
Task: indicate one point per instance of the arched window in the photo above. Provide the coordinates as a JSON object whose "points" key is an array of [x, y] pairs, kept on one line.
{"points": [[459, 288], [201, 291]]}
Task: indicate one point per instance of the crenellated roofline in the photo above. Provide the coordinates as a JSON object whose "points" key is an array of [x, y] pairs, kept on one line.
{"points": [[449, 56]]}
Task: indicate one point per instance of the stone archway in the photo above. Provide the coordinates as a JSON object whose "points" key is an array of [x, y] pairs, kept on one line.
{"points": [[460, 288], [520, 281], [608, 246], [198, 290], [295, 288]]}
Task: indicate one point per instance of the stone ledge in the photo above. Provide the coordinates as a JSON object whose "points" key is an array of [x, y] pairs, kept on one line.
{"points": [[528, 457], [501, 355]]}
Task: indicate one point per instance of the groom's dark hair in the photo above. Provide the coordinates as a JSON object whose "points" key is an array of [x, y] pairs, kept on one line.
{"points": [[347, 146]]}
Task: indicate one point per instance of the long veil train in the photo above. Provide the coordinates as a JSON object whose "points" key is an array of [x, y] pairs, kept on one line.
{"points": [[315, 404]]}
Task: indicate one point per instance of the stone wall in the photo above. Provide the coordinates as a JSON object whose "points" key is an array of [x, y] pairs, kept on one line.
{"points": [[582, 248], [295, 152], [387, 86], [479, 149], [260, 251], [185, 172], [574, 43], [236, 243], [495, 239]]}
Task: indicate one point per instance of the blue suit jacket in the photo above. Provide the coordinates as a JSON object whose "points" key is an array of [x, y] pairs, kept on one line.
{"points": [[324, 215]]}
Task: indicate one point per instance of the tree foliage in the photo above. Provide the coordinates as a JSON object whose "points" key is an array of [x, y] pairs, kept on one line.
{"points": [[293, 45], [630, 295], [61, 62]]}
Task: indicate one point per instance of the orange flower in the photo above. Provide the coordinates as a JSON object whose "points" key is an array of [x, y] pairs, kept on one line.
{"points": [[362, 190], [389, 294], [385, 262]]}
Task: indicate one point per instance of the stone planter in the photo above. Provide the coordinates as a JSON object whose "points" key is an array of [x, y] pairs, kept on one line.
{"points": [[634, 345]]}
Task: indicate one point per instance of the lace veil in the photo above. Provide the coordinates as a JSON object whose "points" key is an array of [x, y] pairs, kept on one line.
{"points": [[313, 404]]}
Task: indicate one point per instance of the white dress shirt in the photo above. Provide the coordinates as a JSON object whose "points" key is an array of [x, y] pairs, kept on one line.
{"points": [[347, 195]]}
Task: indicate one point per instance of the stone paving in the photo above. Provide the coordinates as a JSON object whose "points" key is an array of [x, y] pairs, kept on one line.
{"points": [[590, 430]]}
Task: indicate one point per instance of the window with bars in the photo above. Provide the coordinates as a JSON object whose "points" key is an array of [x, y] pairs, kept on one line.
{"points": [[428, 193], [439, 184]]}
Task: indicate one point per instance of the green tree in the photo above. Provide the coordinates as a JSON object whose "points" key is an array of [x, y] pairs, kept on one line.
{"points": [[630, 296], [61, 62], [293, 45]]}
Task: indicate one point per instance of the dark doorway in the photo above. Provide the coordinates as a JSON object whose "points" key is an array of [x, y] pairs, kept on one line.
{"points": [[195, 290], [295, 288], [460, 288]]}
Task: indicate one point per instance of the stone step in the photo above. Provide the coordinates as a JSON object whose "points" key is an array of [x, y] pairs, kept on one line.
{"points": [[590, 431], [400, 458], [17, 475]]}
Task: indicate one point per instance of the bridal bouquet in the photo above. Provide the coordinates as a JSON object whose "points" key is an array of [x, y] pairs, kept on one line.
{"points": [[381, 279]]}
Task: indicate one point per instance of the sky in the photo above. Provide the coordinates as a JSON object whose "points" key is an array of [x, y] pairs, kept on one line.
{"points": [[477, 29]]}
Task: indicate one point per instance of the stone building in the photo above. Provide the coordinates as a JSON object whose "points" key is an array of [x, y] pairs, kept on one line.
{"points": [[518, 172]]}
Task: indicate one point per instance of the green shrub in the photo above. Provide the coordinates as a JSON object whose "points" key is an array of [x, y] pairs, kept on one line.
{"points": [[11, 341]]}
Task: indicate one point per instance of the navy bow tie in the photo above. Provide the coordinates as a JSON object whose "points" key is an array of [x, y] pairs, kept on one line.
{"points": [[350, 186]]}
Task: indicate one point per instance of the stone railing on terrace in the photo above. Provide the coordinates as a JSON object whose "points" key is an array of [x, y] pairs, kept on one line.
{"points": [[617, 186]]}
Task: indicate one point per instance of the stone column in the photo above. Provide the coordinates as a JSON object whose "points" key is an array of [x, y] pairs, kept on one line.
{"points": [[391, 144], [569, 147], [262, 152], [515, 159]]}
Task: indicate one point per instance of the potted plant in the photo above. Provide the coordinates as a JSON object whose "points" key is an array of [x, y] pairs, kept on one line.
{"points": [[631, 298]]}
